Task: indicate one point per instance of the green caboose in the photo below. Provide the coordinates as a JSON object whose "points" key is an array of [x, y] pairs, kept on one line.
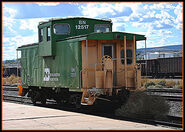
{"points": [[79, 60]]}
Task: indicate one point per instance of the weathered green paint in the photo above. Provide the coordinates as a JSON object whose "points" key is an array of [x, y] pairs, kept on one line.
{"points": [[67, 64], [29, 65], [45, 47], [113, 36], [48, 48]]}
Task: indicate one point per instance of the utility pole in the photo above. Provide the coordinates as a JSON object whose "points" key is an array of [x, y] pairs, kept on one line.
{"points": [[145, 59]]}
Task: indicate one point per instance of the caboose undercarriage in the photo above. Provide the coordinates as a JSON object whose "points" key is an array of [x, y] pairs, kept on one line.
{"points": [[64, 96]]}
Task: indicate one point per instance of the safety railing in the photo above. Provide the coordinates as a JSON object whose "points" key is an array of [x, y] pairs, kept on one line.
{"points": [[95, 69]]}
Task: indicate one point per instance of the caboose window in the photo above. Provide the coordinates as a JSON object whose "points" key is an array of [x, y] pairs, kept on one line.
{"points": [[61, 28], [129, 56], [48, 34], [41, 33], [102, 28], [108, 50]]}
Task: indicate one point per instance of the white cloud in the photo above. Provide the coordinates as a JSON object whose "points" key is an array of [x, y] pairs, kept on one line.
{"points": [[73, 3], [165, 17], [156, 19], [117, 25], [137, 24], [12, 27], [95, 9], [161, 6], [20, 40], [137, 9], [48, 3], [149, 14], [159, 38], [31, 24], [9, 12], [8, 18], [9, 54], [120, 19], [14, 42], [10, 44], [178, 12], [99, 9], [168, 32]]}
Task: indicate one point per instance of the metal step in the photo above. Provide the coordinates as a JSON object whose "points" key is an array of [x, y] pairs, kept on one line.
{"points": [[86, 98], [84, 104]]}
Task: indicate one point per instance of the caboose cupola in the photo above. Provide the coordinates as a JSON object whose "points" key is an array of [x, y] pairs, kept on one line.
{"points": [[62, 28]]}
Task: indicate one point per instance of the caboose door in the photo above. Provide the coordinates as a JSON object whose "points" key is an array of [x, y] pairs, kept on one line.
{"points": [[108, 49]]}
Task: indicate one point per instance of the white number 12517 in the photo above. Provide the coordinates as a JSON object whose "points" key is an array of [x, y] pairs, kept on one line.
{"points": [[82, 26]]}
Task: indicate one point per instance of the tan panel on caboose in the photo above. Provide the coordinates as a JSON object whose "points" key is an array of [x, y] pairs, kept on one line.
{"points": [[131, 78], [94, 57], [130, 67], [92, 60]]}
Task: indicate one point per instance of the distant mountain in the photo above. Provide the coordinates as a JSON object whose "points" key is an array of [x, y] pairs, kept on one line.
{"points": [[171, 48], [164, 51], [10, 61]]}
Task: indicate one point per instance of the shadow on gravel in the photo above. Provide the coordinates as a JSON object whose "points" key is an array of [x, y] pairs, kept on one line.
{"points": [[95, 111], [143, 106], [139, 107]]}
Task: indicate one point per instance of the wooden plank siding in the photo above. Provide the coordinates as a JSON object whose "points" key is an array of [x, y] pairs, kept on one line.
{"points": [[94, 57]]}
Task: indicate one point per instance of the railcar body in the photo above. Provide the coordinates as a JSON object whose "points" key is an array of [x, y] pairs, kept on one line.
{"points": [[11, 70], [79, 60], [162, 67]]}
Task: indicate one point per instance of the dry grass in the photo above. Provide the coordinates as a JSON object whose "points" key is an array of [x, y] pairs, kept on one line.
{"points": [[11, 80], [160, 83], [144, 81], [171, 84], [141, 105]]}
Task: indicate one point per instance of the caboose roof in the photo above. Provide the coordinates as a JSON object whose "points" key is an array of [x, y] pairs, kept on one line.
{"points": [[65, 18], [27, 46], [98, 36], [108, 36], [114, 36]]}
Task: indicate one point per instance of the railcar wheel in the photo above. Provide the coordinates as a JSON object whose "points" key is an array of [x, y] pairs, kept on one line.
{"points": [[33, 100], [78, 102], [43, 101], [59, 102], [75, 100], [34, 96]]}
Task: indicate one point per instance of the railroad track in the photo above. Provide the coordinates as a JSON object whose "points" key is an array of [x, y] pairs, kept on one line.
{"points": [[168, 94], [10, 85], [172, 98], [151, 91], [167, 90], [175, 121], [10, 88], [19, 99]]}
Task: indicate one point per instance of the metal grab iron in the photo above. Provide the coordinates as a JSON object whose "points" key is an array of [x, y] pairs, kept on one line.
{"points": [[108, 74]]}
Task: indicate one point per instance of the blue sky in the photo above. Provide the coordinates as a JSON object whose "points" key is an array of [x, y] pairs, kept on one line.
{"points": [[161, 22]]}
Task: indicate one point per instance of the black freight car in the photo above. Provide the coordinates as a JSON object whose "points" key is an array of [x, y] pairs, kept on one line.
{"points": [[9, 70], [162, 67]]}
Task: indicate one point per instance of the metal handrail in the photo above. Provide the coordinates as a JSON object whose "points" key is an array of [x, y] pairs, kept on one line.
{"points": [[114, 59]]}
